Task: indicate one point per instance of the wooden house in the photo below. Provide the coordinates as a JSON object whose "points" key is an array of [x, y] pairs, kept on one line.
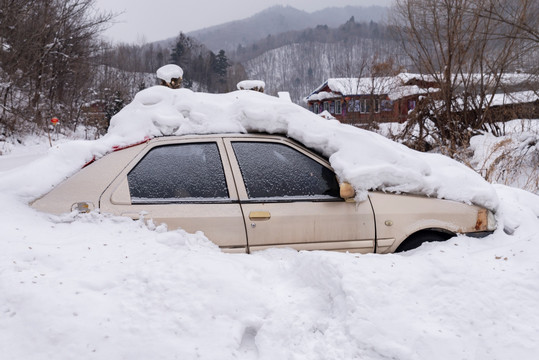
{"points": [[362, 101]]}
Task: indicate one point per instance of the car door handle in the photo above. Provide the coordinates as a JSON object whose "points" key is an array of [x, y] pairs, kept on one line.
{"points": [[259, 215], [134, 216]]}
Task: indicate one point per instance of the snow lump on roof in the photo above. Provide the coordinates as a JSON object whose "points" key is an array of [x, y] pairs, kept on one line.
{"points": [[256, 85], [169, 72]]}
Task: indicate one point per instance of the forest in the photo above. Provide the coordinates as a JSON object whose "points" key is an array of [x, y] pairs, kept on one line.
{"points": [[54, 63]]}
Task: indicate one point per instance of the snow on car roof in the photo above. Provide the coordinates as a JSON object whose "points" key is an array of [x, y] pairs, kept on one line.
{"points": [[251, 85], [365, 159]]}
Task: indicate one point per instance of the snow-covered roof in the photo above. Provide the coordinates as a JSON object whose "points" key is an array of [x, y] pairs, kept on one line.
{"points": [[323, 95], [395, 85], [519, 97], [409, 90]]}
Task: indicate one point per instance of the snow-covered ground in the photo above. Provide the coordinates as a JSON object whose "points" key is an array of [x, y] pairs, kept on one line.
{"points": [[512, 159], [94, 286]]}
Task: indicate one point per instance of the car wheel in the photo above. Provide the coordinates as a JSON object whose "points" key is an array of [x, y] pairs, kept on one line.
{"points": [[417, 239]]}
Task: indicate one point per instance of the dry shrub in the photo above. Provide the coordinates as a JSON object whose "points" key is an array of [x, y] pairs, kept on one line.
{"points": [[510, 160]]}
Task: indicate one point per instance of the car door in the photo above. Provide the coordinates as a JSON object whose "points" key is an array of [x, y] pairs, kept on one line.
{"points": [[184, 184], [290, 198]]}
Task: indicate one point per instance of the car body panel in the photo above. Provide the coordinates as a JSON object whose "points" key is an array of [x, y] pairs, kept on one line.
{"points": [[296, 224], [87, 184], [399, 216], [331, 224], [221, 221]]}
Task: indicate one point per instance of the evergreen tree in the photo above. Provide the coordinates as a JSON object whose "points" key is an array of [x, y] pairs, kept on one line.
{"points": [[221, 64]]}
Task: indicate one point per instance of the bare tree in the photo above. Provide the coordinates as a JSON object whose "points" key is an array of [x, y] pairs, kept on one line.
{"points": [[520, 14], [45, 53], [463, 47]]}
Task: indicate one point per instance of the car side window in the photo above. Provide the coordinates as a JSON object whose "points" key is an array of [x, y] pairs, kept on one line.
{"points": [[274, 170], [175, 173]]}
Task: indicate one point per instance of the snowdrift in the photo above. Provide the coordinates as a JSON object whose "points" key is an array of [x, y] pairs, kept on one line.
{"points": [[366, 160]]}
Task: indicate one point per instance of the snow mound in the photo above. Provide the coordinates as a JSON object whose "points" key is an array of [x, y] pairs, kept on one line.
{"points": [[251, 85], [365, 159], [94, 286], [169, 72]]}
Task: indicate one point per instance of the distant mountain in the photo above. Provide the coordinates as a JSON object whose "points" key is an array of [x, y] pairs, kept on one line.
{"points": [[279, 19]]}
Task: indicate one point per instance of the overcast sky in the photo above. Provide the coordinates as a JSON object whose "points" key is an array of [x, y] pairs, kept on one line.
{"points": [[152, 20]]}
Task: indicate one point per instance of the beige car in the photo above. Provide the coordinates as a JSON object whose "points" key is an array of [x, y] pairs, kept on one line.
{"points": [[253, 192]]}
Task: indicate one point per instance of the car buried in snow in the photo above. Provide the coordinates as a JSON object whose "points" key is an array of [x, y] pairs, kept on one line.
{"points": [[250, 192]]}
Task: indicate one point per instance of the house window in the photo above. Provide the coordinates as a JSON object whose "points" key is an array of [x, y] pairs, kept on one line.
{"points": [[311, 107], [387, 105], [326, 106], [368, 105], [332, 107], [338, 107], [376, 105], [316, 108], [351, 106], [363, 106], [357, 106], [411, 104]]}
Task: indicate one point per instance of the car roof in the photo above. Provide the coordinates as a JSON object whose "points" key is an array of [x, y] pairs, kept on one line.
{"points": [[256, 135]]}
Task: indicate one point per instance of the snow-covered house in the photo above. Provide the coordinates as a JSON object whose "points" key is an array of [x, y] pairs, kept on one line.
{"points": [[360, 101], [508, 106]]}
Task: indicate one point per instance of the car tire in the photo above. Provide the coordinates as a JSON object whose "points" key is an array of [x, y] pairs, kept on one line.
{"points": [[417, 239]]}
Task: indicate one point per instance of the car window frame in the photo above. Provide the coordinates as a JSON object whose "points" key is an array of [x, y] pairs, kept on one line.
{"points": [[240, 184], [120, 184]]}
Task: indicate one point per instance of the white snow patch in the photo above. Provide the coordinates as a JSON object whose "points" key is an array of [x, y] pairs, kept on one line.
{"points": [[326, 115], [409, 90], [169, 72], [284, 95], [519, 97], [251, 85], [99, 287]]}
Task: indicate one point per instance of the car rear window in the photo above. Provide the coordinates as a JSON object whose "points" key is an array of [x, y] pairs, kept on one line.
{"points": [[183, 172]]}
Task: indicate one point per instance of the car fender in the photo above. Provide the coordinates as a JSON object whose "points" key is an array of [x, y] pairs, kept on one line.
{"points": [[398, 216]]}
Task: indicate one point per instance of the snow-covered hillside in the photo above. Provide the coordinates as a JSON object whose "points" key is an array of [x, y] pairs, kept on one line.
{"points": [[94, 286], [301, 68]]}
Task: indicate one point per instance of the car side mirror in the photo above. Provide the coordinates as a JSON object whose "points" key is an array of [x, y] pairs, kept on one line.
{"points": [[347, 191]]}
